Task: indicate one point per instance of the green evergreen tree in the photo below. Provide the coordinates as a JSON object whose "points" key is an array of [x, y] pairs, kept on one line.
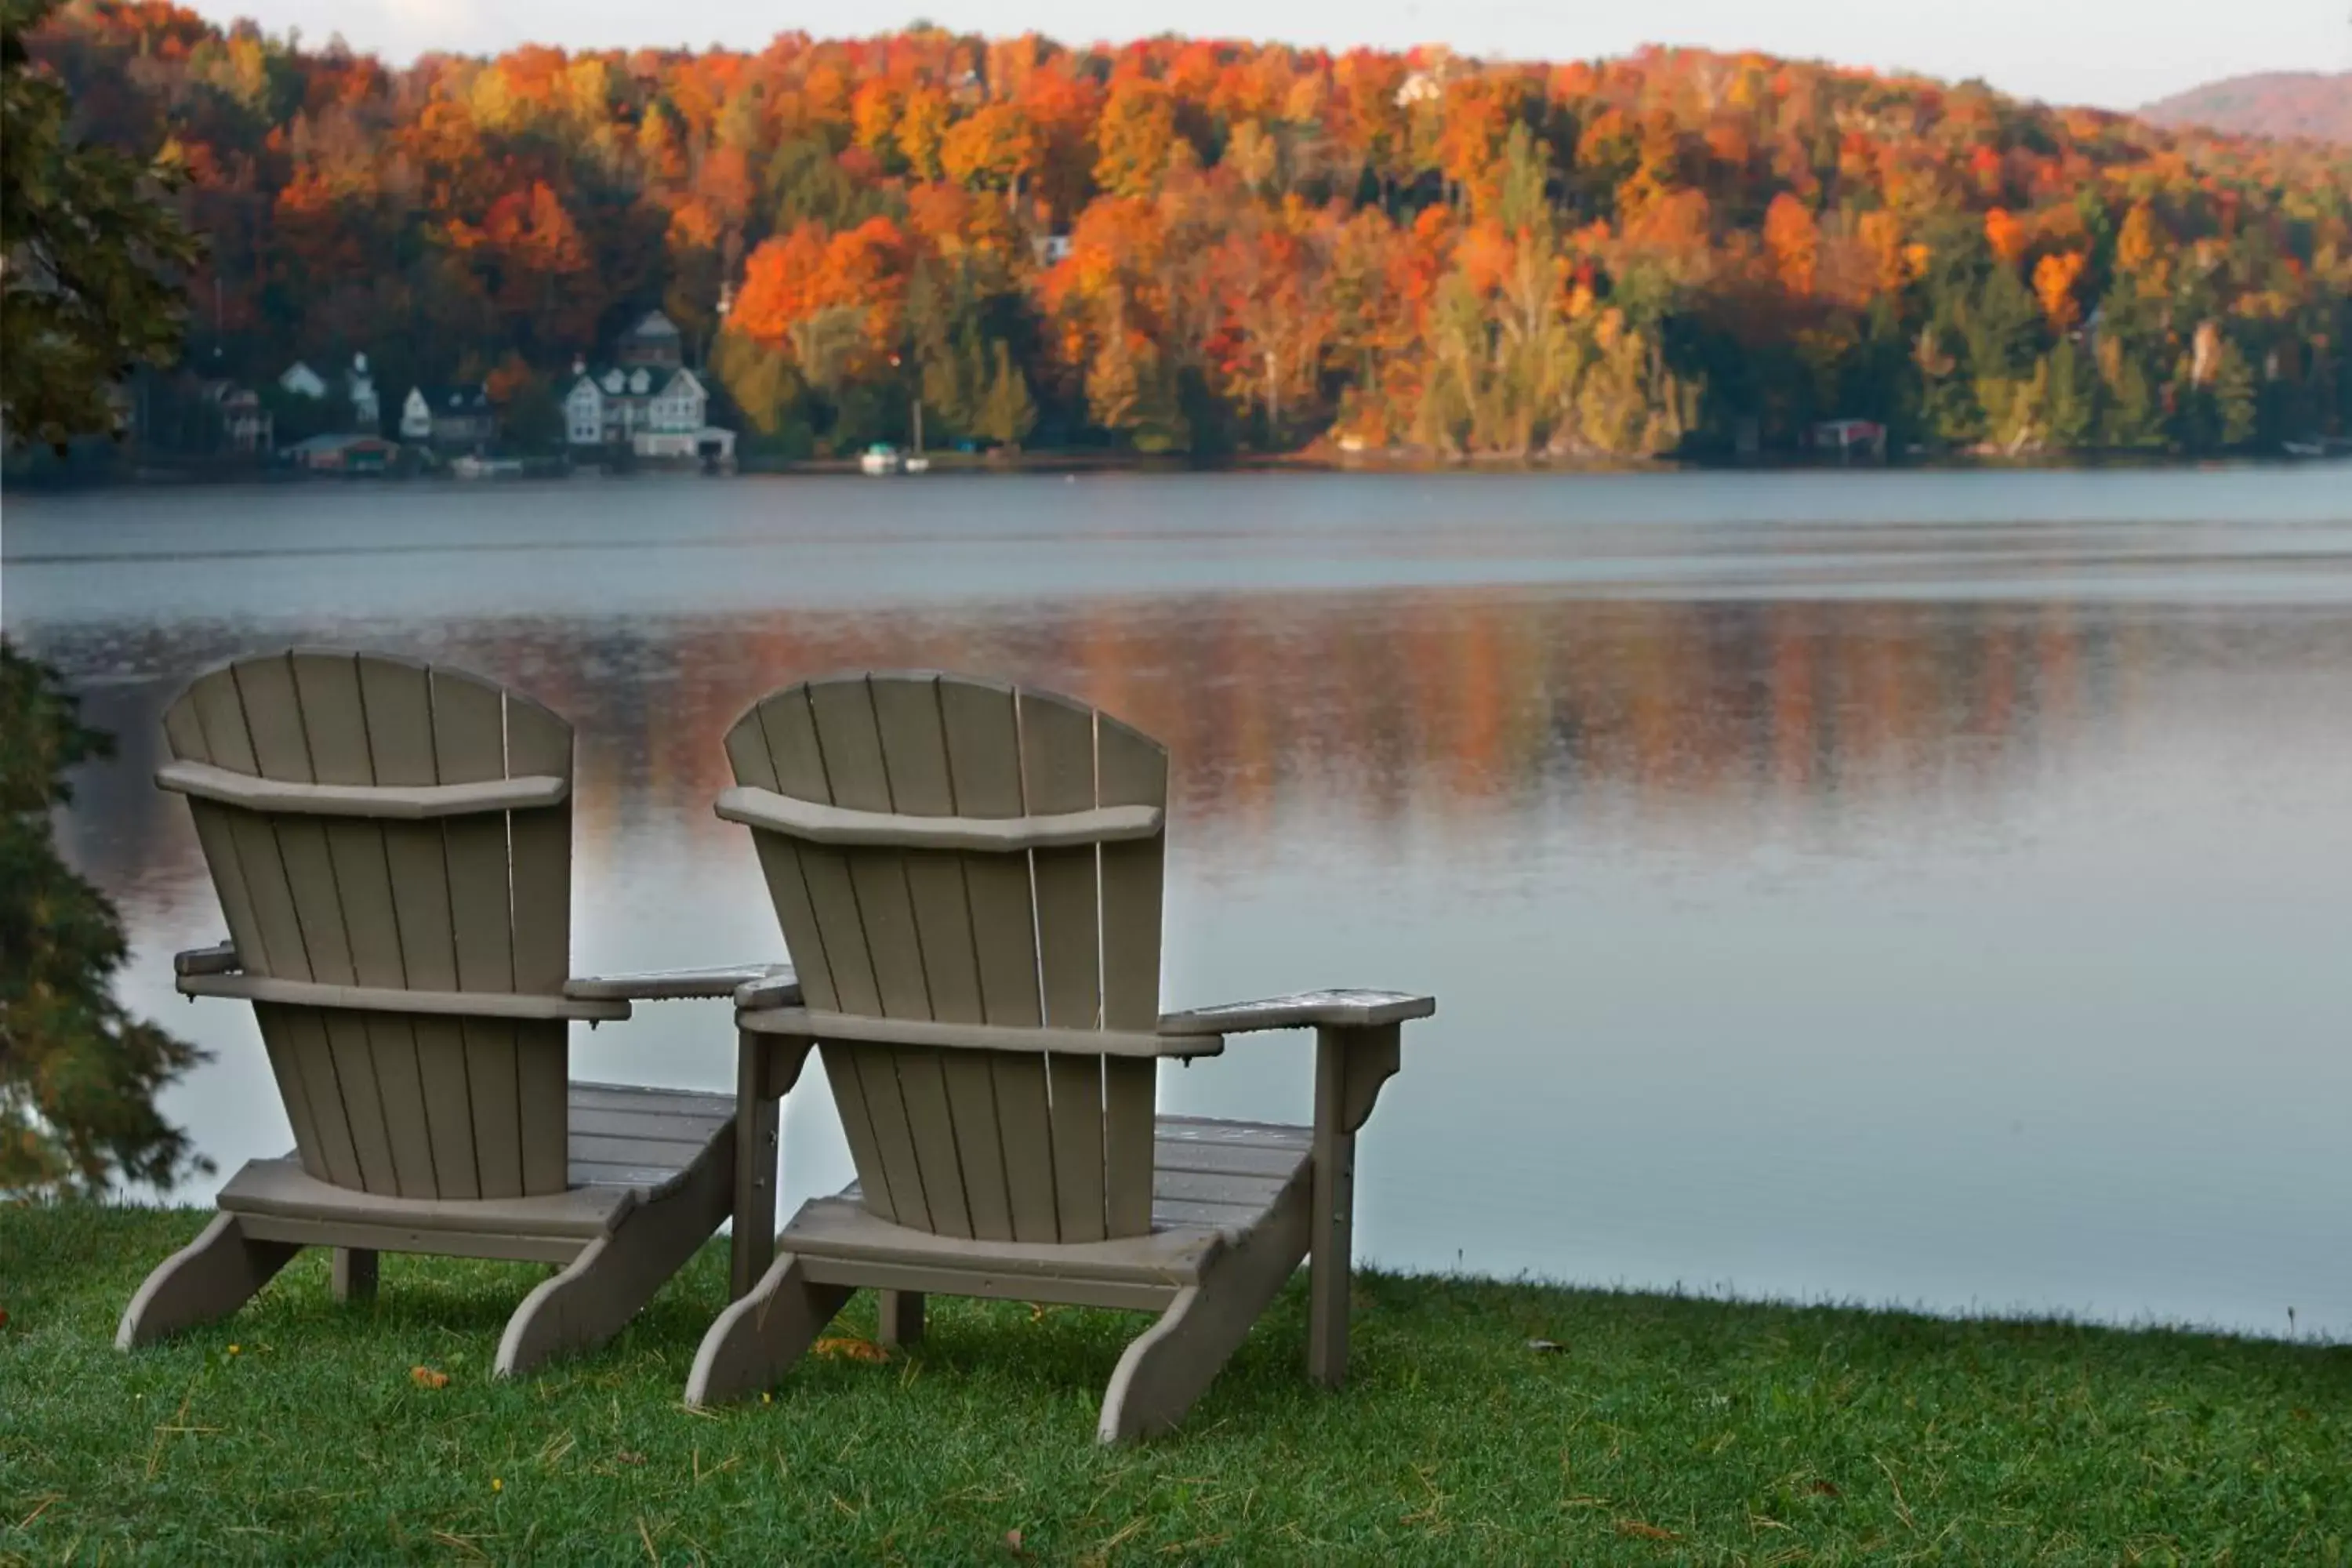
{"points": [[532, 420], [2070, 408], [1008, 413], [2235, 402], [2125, 339], [79, 1076]]}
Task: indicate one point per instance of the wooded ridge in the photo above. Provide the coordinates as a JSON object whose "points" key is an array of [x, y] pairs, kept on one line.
{"points": [[1210, 247]]}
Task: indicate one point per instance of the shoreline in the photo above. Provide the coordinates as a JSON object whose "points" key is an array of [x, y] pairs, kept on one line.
{"points": [[1082, 461]]}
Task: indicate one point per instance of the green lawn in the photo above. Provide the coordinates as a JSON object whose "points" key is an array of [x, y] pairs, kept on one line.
{"points": [[1662, 1430]]}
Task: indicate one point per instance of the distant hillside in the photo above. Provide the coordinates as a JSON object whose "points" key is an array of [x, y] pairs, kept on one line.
{"points": [[1203, 247], [2273, 103]]}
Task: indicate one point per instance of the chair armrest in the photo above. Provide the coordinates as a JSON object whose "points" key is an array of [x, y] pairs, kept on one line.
{"points": [[675, 985], [1303, 1010], [1359, 1045], [780, 989], [218, 959]]}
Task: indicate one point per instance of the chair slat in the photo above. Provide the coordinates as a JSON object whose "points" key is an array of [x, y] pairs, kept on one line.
{"points": [[470, 746], [857, 1128], [984, 750], [216, 833], [851, 744], [398, 700], [294, 1094], [334, 723], [799, 760], [894, 1138], [184, 734], [930, 1125], [788, 890], [1130, 769], [540, 843], [300, 1035], [849, 741], [493, 1088], [448, 1105], [278, 930], [542, 1075], [951, 1101], [1057, 766], [272, 701], [779, 863]]}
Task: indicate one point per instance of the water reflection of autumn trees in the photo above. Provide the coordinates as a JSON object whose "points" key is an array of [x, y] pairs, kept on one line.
{"points": [[1457, 705], [1465, 710]]}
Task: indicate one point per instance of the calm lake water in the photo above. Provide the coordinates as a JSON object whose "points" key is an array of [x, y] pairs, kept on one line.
{"points": [[1927, 888]]}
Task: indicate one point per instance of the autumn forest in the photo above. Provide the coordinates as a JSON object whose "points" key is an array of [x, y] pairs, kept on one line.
{"points": [[1213, 248]]}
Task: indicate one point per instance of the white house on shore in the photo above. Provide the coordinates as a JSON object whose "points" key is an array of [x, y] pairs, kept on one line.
{"points": [[301, 381], [649, 401], [367, 409], [655, 414], [452, 418]]}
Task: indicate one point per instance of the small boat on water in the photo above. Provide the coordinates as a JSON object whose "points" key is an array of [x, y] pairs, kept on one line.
{"points": [[472, 468], [882, 458]]}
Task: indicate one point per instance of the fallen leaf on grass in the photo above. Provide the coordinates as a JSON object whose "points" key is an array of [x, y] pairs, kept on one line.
{"points": [[1547, 1347], [842, 1347], [1641, 1532], [628, 1456], [1824, 1489], [426, 1377]]}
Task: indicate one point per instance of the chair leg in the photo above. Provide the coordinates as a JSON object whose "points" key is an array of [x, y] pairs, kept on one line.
{"points": [[1164, 1371], [594, 1296], [760, 1334], [1176, 1359], [210, 1278], [902, 1317], [1331, 1238], [758, 1124], [354, 1273], [1349, 1068]]}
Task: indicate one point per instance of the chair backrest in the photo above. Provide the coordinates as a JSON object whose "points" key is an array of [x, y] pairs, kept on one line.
{"points": [[1000, 1144], [416, 1106]]}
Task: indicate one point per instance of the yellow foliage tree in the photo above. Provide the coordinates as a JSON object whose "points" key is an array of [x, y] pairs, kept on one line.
{"points": [[2055, 277]]}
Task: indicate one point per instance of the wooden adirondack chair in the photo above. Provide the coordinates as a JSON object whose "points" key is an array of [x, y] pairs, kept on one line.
{"points": [[969, 881], [392, 847]]}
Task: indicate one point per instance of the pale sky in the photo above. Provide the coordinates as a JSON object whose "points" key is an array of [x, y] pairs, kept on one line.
{"points": [[2117, 54]]}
